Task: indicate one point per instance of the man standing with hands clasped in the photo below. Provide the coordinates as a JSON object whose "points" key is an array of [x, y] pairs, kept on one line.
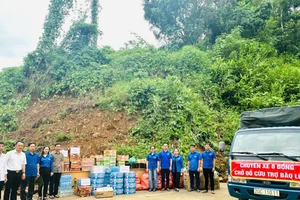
{"points": [[32, 171], [14, 171], [58, 162], [165, 157], [209, 163], [194, 166]]}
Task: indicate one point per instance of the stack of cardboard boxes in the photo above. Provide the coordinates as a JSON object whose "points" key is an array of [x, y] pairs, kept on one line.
{"points": [[84, 188], [87, 163], [122, 159], [75, 159], [110, 158], [99, 160], [65, 152]]}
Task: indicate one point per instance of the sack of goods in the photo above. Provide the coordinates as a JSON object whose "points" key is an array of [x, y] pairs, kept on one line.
{"points": [[65, 185]]}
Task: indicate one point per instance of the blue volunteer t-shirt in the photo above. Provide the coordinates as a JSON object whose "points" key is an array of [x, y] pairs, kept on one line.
{"points": [[47, 162], [194, 160], [208, 158], [152, 160], [165, 158], [31, 167]]}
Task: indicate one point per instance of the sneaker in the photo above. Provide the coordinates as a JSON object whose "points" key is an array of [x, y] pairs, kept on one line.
{"points": [[198, 190], [57, 196], [163, 189], [205, 191], [150, 190], [176, 189], [40, 198], [213, 192], [168, 189], [191, 190], [51, 197]]}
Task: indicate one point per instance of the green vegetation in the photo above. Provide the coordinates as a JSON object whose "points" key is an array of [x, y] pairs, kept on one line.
{"points": [[242, 56]]}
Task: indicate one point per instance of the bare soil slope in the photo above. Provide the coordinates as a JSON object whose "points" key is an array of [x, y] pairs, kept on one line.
{"points": [[73, 123]]}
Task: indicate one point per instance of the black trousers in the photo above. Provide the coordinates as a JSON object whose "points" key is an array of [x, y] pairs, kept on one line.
{"points": [[176, 179], [208, 173], [197, 175], [54, 183], [12, 184], [165, 174], [45, 174], [1, 187], [28, 181]]}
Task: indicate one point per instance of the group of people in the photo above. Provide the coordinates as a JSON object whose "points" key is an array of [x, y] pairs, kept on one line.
{"points": [[21, 169], [165, 162]]}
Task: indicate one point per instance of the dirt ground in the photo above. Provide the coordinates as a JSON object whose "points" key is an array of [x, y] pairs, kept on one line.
{"points": [[172, 195]]}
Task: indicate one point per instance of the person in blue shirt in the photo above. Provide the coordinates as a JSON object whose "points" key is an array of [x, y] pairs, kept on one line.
{"points": [[152, 167], [165, 157], [177, 167], [194, 166], [209, 163], [31, 172], [46, 170]]}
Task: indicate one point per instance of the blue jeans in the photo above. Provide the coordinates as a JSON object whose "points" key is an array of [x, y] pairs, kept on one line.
{"points": [[152, 177]]}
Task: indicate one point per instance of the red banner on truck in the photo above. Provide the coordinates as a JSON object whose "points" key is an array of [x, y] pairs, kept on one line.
{"points": [[284, 171]]}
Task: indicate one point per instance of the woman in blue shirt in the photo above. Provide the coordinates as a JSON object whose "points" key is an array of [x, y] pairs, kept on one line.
{"points": [[177, 166], [46, 170]]}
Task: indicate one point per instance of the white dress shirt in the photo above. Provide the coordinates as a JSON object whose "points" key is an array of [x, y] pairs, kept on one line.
{"points": [[14, 161], [2, 157]]}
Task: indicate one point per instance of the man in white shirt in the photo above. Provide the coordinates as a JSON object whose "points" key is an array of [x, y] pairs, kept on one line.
{"points": [[2, 155], [14, 171]]}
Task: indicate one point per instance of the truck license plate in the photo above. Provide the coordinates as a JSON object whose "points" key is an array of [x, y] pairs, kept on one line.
{"points": [[260, 191]]}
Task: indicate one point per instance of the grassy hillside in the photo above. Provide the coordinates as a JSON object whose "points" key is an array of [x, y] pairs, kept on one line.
{"points": [[181, 97]]}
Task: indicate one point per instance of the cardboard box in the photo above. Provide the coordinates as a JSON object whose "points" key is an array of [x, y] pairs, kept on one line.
{"points": [[97, 169], [83, 181], [124, 169], [110, 153], [100, 163], [65, 152], [75, 150], [143, 161], [86, 168], [121, 163], [123, 157], [84, 191], [75, 164], [99, 157], [105, 192], [87, 161]]}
